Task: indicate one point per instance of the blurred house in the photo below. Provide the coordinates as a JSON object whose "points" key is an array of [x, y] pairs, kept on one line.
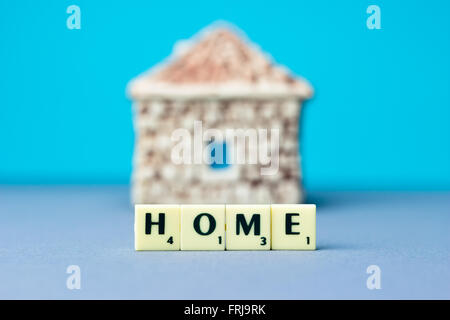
{"points": [[226, 83]]}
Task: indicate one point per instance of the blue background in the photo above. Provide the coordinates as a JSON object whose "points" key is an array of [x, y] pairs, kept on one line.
{"points": [[379, 119]]}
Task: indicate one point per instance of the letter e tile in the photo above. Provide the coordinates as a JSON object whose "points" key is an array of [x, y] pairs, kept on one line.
{"points": [[293, 227]]}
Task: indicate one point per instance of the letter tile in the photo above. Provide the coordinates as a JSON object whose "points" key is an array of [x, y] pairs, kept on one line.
{"points": [[293, 226], [247, 227], [203, 227], [157, 227]]}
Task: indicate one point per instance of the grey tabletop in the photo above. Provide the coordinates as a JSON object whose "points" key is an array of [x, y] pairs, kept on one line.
{"points": [[45, 229]]}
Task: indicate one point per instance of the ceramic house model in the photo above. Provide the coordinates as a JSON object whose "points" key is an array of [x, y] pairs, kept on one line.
{"points": [[220, 81]]}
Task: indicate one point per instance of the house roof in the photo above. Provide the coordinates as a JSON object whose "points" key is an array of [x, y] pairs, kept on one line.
{"points": [[218, 63]]}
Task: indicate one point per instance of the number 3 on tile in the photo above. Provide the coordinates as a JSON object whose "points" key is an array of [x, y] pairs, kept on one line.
{"points": [[263, 241]]}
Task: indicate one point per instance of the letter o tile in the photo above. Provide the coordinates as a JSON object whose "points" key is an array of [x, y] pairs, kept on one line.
{"points": [[203, 227]]}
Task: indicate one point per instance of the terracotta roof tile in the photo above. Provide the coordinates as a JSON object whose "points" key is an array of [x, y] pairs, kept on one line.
{"points": [[221, 58]]}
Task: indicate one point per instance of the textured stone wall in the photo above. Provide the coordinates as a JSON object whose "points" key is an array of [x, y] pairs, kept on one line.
{"points": [[156, 179]]}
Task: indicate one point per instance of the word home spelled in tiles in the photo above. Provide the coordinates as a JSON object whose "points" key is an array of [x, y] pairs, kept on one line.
{"points": [[225, 227]]}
